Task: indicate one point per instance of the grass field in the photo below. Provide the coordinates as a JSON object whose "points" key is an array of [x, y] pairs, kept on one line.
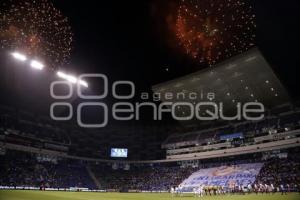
{"points": [[38, 195]]}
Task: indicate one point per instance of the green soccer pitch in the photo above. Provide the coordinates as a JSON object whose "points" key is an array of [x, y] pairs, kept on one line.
{"points": [[43, 195]]}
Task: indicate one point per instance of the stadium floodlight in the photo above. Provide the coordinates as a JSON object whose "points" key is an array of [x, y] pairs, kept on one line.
{"points": [[36, 65], [19, 56], [83, 83], [67, 77], [72, 79]]}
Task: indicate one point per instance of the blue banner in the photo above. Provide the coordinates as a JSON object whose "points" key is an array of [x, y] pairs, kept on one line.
{"points": [[231, 136], [226, 176]]}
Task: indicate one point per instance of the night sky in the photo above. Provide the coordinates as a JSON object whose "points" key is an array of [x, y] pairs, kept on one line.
{"points": [[131, 40]]}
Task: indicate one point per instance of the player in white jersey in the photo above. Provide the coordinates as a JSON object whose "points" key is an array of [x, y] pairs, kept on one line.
{"points": [[195, 191], [256, 188], [179, 190], [249, 188], [172, 191], [200, 191]]}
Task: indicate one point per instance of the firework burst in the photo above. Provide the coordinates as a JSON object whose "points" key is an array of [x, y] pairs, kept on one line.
{"points": [[36, 28], [212, 30]]}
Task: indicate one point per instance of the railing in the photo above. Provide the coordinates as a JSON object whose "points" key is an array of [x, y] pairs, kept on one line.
{"points": [[257, 140], [268, 146]]}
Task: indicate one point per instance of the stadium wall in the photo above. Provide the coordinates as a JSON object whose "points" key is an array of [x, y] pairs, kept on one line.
{"points": [[268, 146]]}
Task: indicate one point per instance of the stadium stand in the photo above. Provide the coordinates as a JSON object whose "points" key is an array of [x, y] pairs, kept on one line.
{"points": [[33, 170], [281, 171], [21, 127], [31, 159], [27, 170], [147, 178], [283, 126]]}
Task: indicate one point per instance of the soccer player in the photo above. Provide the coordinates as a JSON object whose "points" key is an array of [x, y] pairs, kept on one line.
{"points": [[206, 190], [172, 190], [288, 187], [266, 186], [256, 188], [282, 189], [195, 191], [249, 188], [180, 188], [273, 188], [201, 191]]}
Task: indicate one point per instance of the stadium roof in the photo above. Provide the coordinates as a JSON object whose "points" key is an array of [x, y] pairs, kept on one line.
{"points": [[244, 78]]}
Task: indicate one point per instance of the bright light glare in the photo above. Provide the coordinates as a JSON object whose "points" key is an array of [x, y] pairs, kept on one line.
{"points": [[72, 79], [36, 65], [83, 83], [67, 77], [19, 56]]}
